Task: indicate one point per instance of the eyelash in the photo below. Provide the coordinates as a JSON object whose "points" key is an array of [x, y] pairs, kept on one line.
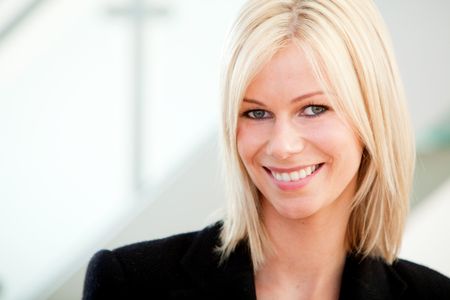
{"points": [[248, 112]]}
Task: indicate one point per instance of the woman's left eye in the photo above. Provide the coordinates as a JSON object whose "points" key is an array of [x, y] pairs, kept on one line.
{"points": [[314, 110]]}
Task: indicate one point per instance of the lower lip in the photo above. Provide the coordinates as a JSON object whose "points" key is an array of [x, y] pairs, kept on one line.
{"points": [[294, 185]]}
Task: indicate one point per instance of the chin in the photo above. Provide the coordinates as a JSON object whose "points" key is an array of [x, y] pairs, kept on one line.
{"points": [[298, 214], [295, 209]]}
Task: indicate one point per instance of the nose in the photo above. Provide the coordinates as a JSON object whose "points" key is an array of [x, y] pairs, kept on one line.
{"points": [[285, 140]]}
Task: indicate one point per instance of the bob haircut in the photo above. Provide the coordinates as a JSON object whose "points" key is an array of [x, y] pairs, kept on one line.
{"points": [[350, 52]]}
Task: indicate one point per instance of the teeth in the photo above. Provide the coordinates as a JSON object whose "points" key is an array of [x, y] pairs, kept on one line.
{"points": [[308, 171], [296, 175], [302, 174]]}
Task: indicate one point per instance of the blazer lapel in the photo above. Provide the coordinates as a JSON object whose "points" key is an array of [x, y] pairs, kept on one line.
{"points": [[231, 280], [370, 279], [362, 279]]}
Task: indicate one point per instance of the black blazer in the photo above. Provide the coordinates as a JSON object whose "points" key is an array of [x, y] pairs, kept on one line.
{"points": [[185, 266]]}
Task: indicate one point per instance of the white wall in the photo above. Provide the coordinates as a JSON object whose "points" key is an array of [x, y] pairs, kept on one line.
{"points": [[421, 37], [427, 239]]}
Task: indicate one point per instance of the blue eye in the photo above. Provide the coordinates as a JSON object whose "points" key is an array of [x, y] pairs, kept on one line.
{"points": [[257, 114], [314, 110]]}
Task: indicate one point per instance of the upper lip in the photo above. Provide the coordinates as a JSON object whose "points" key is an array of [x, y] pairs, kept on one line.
{"points": [[287, 170]]}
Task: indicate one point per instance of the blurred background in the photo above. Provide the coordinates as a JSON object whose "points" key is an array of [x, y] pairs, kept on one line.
{"points": [[108, 120]]}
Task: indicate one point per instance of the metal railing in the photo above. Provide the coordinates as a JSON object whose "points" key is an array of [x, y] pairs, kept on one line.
{"points": [[19, 18]]}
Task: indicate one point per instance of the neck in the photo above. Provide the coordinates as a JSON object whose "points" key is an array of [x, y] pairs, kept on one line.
{"points": [[308, 254], [311, 243]]}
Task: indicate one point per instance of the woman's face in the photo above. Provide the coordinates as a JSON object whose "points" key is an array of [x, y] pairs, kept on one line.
{"points": [[299, 153]]}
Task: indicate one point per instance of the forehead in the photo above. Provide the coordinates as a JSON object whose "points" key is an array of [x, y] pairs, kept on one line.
{"points": [[287, 75]]}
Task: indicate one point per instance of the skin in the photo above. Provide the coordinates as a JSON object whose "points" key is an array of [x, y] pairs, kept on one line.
{"points": [[306, 222]]}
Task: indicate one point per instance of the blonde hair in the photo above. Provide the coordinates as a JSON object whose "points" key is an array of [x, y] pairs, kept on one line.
{"points": [[349, 48]]}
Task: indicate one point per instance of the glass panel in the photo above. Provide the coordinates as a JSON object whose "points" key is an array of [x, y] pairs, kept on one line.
{"points": [[68, 124], [182, 83], [64, 151]]}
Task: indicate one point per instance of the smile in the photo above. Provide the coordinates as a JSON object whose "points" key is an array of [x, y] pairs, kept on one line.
{"points": [[293, 175]]}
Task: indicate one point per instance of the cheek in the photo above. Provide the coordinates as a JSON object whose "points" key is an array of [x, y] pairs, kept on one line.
{"points": [[249, 142], [339, 143], [349, 146]]}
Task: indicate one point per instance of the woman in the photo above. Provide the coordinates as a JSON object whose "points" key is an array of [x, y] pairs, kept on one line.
{"points": [[319, 157]]}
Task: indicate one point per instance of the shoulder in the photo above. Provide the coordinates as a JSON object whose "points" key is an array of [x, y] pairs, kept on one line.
{"points": [[154, 252], [373, 278], [113, 274], [421, 281]]}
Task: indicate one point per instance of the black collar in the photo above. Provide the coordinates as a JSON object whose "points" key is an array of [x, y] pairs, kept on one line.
{"points": [[231, 280], [368, 279]]}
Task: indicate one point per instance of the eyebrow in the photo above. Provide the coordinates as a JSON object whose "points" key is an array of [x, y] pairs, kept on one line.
{"points": [[296, 99]]}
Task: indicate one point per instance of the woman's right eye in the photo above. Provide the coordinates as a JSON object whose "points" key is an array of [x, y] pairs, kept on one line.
{"points": [[257, 114]]}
